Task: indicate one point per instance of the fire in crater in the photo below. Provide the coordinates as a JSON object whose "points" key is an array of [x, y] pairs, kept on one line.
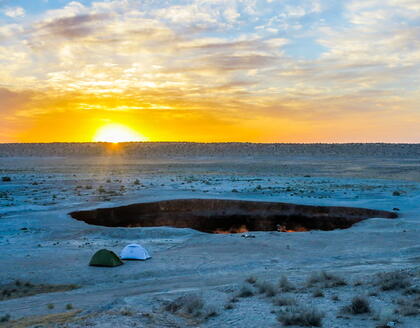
{"points": [[230, 216]]}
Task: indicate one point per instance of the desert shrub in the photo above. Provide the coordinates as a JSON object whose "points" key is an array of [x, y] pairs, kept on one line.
{"points": [[284, 301], [358, 305], [192, 306], [233, 299], [318, 293], [20, 288], [358, 283], [335, 298], [251, 279], [174, 305], [411, 290], [392, 280], [285, 285], [267, 289], [409, 306], [325, 280], [385, 316], [188, 304], [210, 312], [229, 306], [5, 318], [300, 316], [5, 293], [126, 312], [246, 291]]}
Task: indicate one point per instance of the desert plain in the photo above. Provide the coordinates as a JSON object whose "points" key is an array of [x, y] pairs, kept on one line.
{"points": [[364, 276]]}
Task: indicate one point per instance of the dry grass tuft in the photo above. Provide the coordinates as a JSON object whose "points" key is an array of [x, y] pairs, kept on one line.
{"points": [[267, 288], [233, 299], [335, 298], [325, 280], [392, 280], [229, 306], [413, 290], [4, 318], [50, 320], [284, 301], [191, 306], [285, 285], [188, 304], [409, 306], [22, 289], [358, 305], [210, 312], [300, 316], [317, 293], [251, 280], [126, 311], [246, 291]]}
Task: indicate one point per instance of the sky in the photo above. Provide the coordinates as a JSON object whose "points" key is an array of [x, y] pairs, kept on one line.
{"points": [[210, 70]]}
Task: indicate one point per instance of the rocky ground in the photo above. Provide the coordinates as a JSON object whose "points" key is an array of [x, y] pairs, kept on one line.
{"points": [[365, 276]]}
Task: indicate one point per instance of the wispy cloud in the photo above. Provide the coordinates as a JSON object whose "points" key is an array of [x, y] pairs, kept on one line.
{"points": [[74, 26], [233, 61], [14, 12]]}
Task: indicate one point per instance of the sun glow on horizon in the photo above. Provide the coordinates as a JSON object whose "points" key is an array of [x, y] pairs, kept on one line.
{"points": [[117, 133]]}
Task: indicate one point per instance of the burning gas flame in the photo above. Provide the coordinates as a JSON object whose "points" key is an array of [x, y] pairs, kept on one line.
{"points": [[241, 229], [281, 228]]}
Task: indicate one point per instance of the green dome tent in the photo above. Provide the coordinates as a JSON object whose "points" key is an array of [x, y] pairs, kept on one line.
{"points": [[105, 258]]}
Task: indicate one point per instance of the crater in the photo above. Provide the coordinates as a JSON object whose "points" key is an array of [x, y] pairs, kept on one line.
{"points": [[229, 216]]}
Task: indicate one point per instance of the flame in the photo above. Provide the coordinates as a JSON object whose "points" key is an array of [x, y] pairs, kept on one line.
{"points": [[298, 229], [241, 229], [281, 228]]}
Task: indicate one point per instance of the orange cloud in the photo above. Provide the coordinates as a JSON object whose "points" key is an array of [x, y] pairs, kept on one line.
{"points": [[217, 71]]}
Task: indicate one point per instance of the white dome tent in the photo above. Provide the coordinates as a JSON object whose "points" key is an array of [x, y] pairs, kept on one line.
{"points": [[134, 252]]}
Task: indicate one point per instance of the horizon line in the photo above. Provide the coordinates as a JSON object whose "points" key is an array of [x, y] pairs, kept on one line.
{"points": [[210, 142]]}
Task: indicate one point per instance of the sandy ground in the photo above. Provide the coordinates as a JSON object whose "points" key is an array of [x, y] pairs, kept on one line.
{"points": [[41, 244]]}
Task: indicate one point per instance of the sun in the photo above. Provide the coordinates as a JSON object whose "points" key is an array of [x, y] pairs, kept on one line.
{"points": [[117, 133]]}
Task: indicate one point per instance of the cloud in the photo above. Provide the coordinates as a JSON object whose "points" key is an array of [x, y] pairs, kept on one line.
{"points": [[230, 60], [240, 62], [14, 12], [12, 102], [74, 26]]}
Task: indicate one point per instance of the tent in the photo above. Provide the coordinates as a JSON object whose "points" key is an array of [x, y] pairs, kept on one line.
{"points": [[105, 258], [134, 252]]}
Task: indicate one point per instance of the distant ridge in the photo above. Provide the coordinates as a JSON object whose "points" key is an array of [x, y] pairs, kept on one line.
{"points": [[192, 150]]}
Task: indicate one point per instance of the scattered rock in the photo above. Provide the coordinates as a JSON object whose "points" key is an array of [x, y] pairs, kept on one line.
{"points": [[247, 235]]}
